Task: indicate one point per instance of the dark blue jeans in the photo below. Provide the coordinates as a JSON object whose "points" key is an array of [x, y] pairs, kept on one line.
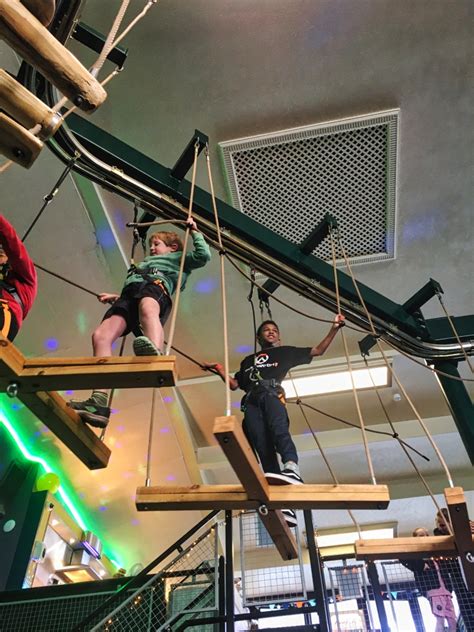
{"points": [[266, 426]]}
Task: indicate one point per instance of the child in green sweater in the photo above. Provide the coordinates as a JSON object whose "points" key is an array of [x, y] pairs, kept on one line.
{"points": [[143, 306]]}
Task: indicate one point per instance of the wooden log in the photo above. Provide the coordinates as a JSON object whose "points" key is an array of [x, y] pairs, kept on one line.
{"points": [[38, 47], [85, 373], [27, 109], [43, 10], [405, 548], [281, 535], [66, 424], [171, 497], [457, 508], [17, 143]]}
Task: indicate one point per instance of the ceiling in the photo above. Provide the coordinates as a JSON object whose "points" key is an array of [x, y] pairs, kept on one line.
{"points": [[236, 68]]}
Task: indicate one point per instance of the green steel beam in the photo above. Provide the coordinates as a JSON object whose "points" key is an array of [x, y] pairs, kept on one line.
{"points": [[154, 175]]}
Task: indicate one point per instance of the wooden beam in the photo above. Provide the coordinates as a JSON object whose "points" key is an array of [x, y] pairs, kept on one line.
{"points": [[38, 47], [17, 143], [84, 373], [66, 424], [11, 359], [405, 548], [43, 10], [27, 109], [230, 436], [170, 497], [460, 523]]}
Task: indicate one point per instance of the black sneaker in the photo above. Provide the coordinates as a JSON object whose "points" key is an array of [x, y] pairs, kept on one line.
{"points": [[290, 517], [143, 346], [91, 413], [286, 477]]}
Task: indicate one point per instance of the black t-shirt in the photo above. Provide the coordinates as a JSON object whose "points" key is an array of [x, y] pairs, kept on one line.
{"points": [[272, 363]]}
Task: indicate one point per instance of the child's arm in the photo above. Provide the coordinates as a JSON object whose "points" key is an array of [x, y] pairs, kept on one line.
{"points": [[201, 253], [320, 348], [17, 254], [219, 369]]}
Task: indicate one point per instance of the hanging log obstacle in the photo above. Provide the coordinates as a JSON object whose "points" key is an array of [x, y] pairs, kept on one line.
{"points": [[256, 493], [24, 375], [25, 34], [17, 143], [27, 109]]}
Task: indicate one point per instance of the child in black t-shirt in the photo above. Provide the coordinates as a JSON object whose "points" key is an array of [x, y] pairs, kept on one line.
{"points": [[266, 423]]}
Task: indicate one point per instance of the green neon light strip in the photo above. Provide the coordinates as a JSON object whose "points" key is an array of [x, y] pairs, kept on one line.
{"points": [[45, 465]]}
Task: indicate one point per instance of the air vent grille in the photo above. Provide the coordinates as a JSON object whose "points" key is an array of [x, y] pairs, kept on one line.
{"points": [[289, 180]]}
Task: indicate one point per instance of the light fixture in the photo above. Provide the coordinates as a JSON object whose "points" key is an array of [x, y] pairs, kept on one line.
{"points": [[91, 543], [335, 382], [76, 573], [341, 539]]}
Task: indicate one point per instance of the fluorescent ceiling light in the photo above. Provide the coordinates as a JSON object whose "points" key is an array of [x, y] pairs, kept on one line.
{"points": [[335, 382]]}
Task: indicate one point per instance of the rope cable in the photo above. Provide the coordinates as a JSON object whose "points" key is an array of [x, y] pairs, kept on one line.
{"points": [[109, 42], [185, 244], [150, 437], [390, 368], [349, 365], [48, 198], [454, 330], [223, 285]]}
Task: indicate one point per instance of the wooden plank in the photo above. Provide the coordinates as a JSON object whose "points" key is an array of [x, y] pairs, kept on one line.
{"points": [[170, 497], [88, 373], [38, 47], [65, 423], [405, 548], [17, 143], [457, 508], [11, 360], [25, 108], [228, 432], [281, 534]]}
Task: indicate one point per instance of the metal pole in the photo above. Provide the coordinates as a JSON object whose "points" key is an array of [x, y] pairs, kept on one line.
{"points": [[459, 403], [229, 572], [319, 586], [377, 590], [221, 594]]}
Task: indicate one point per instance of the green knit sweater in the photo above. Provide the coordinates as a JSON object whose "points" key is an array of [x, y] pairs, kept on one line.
{"points": [[166, 267]]}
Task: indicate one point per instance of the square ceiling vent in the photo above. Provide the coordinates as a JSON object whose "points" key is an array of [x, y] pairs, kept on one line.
{"points": [[289, 180]]}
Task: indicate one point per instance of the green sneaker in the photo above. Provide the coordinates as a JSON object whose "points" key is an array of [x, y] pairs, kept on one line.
{"points": [[90, 412], [143, 346]]}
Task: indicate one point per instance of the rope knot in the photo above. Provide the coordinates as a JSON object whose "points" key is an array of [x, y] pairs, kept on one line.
{"points": [[395, 435], [222, 252]]}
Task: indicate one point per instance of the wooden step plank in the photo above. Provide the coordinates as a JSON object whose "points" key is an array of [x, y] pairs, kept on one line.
{"points": [[281, 534], [17, 143], [65, 423], [170, 497], [32, 363], [156, 371], [11, 360], [460, 523], [405, 548], [230, 436]]}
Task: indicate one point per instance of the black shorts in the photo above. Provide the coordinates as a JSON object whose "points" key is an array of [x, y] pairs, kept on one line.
{"points": [[127, 305], [8, 322]]}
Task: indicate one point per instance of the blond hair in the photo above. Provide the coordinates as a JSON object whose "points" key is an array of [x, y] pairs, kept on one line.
{"points": [[168, 238]]}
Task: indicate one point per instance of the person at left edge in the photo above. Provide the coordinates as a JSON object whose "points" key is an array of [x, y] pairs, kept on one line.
{"points": [[18, 281]]}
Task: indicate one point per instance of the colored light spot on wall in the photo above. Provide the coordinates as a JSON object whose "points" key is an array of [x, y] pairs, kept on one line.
{"points": [[102, 508], [114, 346], [168, 399], [235, 405], [171, 477], [44, 429], [81, 322], [114, 411], [164, 430], [206, 286], [244, 349], [37, 434], [51, 344], [105, 237], [69, 392], [135, 522], [118, 444], [120, 428], [17, 406], [127, 475]]}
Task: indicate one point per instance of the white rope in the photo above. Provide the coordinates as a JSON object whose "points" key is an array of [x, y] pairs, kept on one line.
{"points": [[109, 42]]}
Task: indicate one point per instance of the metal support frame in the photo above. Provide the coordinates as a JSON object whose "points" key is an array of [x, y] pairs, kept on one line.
{"points": [[185, 161], [377, 589], [229, 572], [315, 563], [95, 41]]}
